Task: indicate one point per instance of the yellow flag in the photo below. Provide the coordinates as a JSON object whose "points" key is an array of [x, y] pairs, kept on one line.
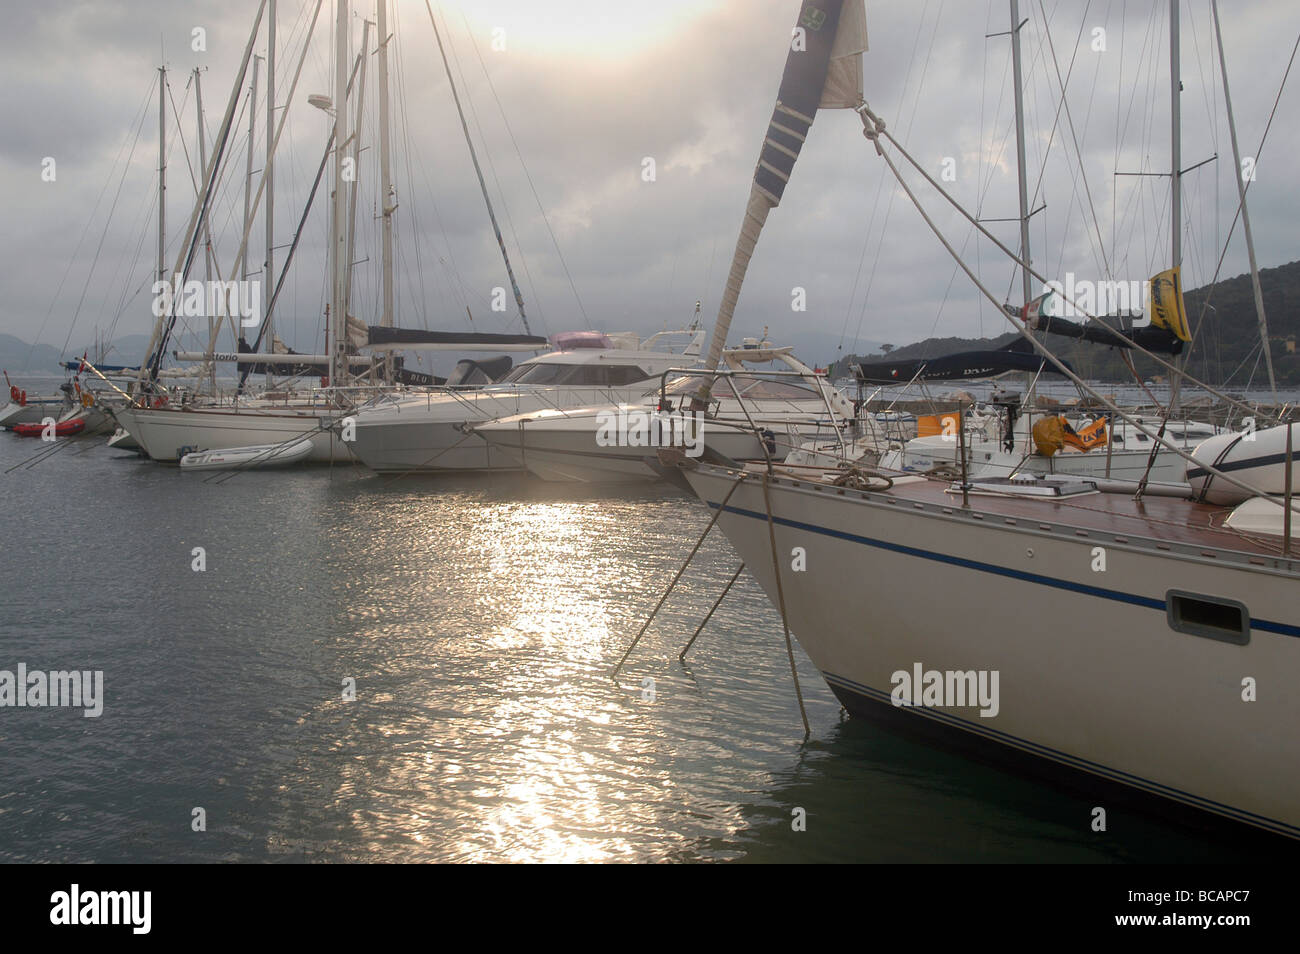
{"points": [[1167, 304]]}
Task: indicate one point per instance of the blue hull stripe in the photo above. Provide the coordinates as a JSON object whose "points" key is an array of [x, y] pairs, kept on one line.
{"points": [[879, 697], [1284, 629]]}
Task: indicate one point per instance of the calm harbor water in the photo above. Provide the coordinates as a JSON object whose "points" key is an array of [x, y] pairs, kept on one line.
{"points": [[479, 619]]}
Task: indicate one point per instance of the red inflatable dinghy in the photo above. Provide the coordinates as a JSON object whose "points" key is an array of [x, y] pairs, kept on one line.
{"points": [[61, 429]]}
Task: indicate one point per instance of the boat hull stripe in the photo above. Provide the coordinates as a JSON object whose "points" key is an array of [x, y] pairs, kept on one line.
{"points": [[1147, 602]]}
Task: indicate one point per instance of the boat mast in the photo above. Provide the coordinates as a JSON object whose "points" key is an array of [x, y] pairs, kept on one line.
{"points": [[356, 163], [1175, 182], [166, 322], [162, 174], [268, 270], [248, 207], [387, 199], [1176, 136], [338, 250], [1245, 214], [162, 192], [248, 164], [207, 228], [1018, 81]]}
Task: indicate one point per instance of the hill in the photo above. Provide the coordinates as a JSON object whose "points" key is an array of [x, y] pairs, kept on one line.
{"points": [[17, 356]]}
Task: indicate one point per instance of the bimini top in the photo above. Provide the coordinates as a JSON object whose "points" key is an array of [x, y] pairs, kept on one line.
{"points": [[576, 340], [964, 365]]}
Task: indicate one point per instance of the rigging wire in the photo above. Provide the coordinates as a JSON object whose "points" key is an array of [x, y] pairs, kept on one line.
{"points": [[889, 206], [1237, 215], [143, 111], [107, 224], [505, 208], [1069, 119], [533, 187], [875, 206]]}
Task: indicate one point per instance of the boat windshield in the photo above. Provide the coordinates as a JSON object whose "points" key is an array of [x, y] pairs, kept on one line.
{"points": [[757, 389], [576, 375]]}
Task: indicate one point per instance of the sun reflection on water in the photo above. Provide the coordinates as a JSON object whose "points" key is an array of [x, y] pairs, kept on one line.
{"points": [[506, 625]]}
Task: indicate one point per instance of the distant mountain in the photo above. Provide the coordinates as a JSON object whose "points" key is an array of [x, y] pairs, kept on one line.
{"points": [[1226, 350], [17, 356]]}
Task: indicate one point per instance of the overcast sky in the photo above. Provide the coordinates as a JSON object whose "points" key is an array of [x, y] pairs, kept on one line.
{"points": [[590, 89]]}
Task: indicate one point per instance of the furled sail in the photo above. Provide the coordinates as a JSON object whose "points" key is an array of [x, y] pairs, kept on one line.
{"points": [[963, 365], [823, 70], [402, 339], [1165, 334], [1167, 309], [1151, 337]]}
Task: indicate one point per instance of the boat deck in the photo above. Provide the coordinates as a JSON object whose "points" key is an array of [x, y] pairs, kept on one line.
{"points": [[1168, 523]]}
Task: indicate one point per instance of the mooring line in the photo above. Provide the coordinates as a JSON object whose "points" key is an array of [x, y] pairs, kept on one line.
{"points": [[44, 454], [780, 597], [663, 599], [718, 602]]}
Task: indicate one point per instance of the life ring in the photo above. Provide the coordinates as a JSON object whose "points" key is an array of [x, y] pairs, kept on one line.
{"points": [[160, 401]]}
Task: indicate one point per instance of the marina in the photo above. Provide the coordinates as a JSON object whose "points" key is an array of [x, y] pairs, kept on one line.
{"points": [[338, 547], [486, 727]]}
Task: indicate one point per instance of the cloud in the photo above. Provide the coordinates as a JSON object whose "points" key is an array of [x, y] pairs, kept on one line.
{"points": [[588, 97]]}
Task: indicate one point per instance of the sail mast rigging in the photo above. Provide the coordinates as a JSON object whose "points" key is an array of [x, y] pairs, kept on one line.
{"points": [[1245, 213], [268, 174], [165, 324], [1018, 82], [496, 229]]}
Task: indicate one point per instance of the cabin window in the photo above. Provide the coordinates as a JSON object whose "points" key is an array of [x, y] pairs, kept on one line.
{"points": [[625, 374], [597, 375], [686, 385], [548, 373], [584, 376], [773, 390], [1210, 616]]}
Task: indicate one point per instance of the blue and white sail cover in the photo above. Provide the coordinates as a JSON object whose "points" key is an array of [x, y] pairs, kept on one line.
{"points": [[823, 70]]}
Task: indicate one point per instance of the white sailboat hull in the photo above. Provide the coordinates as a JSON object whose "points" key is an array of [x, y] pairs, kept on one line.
{"points": [[1091, 674], [166, 434], [122, 440], [988, 459], [33, 412], [96, 419], [567, 446]]}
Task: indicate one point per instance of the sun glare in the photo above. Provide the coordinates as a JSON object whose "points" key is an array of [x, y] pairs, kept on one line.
{"points": [[591, 28]]}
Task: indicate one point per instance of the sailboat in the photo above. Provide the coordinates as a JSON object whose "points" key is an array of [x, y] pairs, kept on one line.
{"points": [[1145, 641], [23, 408], [168, 432]]}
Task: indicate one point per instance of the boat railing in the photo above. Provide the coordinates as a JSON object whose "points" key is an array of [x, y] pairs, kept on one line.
{"points": [[729, 375]]}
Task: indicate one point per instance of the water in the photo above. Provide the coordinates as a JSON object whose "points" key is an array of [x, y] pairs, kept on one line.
{"points": [[479, 619]]}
